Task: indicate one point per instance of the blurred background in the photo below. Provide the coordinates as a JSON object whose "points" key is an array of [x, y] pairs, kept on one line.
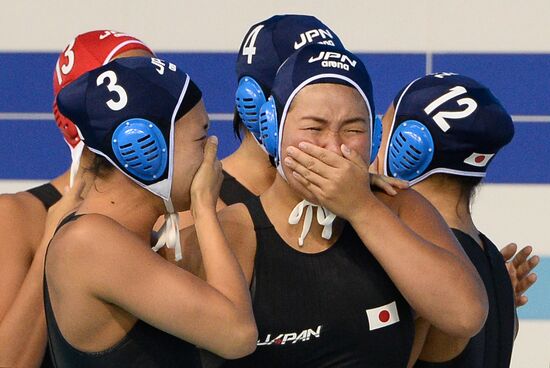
{"points": [[501, 43]]}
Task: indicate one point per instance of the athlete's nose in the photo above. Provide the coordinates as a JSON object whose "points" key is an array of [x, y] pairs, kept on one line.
{"points": [[332, 142]]}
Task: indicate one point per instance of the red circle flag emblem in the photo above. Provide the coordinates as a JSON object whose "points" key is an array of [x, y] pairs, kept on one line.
{"points": [[384, 316], [479, 159]]}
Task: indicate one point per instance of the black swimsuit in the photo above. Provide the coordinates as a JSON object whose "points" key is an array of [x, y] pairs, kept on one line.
{"points": [[143, 346], [46, 193], [337, 308], [233, 192], [492, 346]]}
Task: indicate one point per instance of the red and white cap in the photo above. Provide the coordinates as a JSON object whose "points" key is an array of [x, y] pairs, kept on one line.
{"points": [[86, 52]]}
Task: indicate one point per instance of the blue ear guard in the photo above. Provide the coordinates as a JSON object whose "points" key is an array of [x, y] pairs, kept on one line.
{"points": [[411, 150], [249, 98], [140, 147], [269, 128], [376, 139]]}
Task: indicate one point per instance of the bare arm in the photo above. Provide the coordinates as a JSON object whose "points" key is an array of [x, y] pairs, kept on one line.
{"points": [[421, 329], [215, 315], [186, 218], [424, 261], [414, 246], [22, 323], [23, 327], [153, 289], [221, 269]]}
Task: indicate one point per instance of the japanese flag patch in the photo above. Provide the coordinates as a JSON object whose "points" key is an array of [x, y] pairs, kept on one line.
{"points": [[479, 159], [383, 316]]}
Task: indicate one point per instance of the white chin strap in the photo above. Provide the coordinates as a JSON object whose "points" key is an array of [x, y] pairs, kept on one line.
{"points": [[325, 218], [169, 233], [76, 154]]}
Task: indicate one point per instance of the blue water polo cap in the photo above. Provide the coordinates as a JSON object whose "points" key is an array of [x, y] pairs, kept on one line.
{"points": [[265, 47], [269, 43], [445, 123], [313, 64], [126, 111]]}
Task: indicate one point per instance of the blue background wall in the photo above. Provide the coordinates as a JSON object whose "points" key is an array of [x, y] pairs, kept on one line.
{"points": [[33, 149]]}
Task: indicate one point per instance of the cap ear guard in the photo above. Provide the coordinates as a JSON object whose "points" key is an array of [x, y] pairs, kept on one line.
{"points": [[249, 98], [140, 147], [269, 127], [376, 138], [411, 150]]}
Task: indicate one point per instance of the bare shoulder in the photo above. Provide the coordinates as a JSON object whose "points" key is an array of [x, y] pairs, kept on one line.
{"points": [[236, 215], [22, 219], [405, 201], [238, 228], [89, 239], [14, 208], [414, 210]]}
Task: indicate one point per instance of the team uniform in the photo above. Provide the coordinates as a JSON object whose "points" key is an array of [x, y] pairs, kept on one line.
{"points": [[136, 135], [143, 346], [450, 124], [45, 193], [232, 191], [86, 52], [492, 346], [337, 308]]}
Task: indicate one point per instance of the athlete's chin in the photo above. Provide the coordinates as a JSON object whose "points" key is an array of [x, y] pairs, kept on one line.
{"points": [[302, 191]]}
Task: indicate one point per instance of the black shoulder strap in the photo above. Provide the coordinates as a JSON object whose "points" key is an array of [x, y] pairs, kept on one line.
{"points": [[504, 294], [70, 217], [257, 213], [232, 191], [46, 193]]}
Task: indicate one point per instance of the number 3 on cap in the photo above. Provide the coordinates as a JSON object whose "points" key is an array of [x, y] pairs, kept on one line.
{"points": [[113, 87]]}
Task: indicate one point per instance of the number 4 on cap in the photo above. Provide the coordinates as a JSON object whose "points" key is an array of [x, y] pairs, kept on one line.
{"points": [[248, 49]]}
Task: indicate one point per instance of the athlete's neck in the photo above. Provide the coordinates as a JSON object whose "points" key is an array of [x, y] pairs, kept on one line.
{"points": [[124, 201], [250, 165], [278, 201], [63, 180], [451, 204]]}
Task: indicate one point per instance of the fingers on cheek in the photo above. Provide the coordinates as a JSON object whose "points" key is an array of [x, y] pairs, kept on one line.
{"points": [[300, 178], [301, 170], [289, 161]]}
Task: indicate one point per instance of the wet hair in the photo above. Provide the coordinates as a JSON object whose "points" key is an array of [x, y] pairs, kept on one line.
{"points": [[468, 185], [100, 167], [238, 125]]}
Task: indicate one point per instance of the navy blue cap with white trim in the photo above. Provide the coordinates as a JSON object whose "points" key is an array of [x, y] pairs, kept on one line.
{"points": [[269, 43], [312, 64], [445, 123], [126, 110]]}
